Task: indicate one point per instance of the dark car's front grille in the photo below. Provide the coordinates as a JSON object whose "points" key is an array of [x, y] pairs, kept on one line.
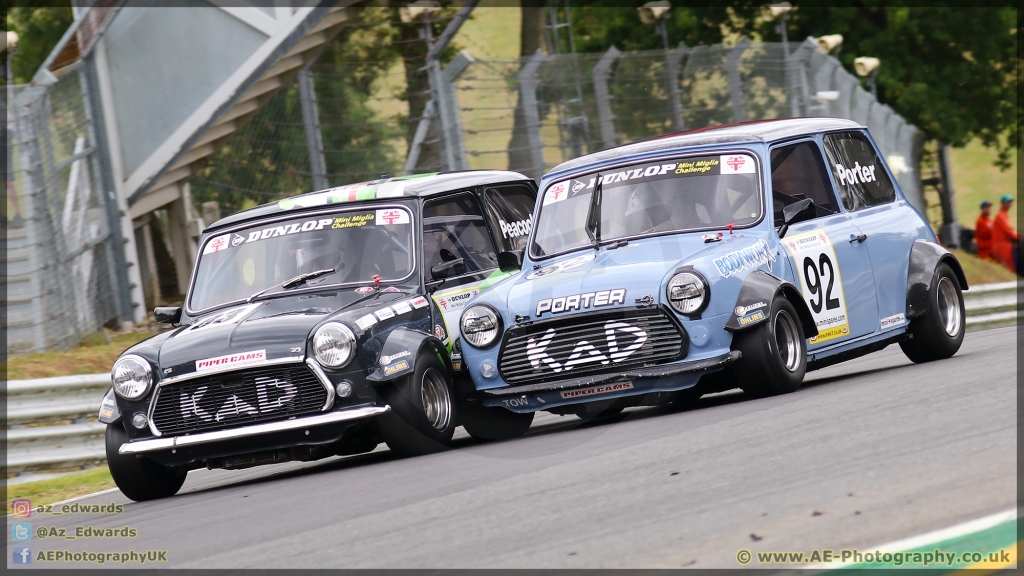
{"points": [[238, 398], [589, 343]]}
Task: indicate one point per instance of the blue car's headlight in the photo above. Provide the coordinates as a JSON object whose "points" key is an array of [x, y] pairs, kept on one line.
{"points": [[480, 326], [687, 292]]}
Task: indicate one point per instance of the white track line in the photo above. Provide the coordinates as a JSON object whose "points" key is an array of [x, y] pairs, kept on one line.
{"points": [[933, 537]]}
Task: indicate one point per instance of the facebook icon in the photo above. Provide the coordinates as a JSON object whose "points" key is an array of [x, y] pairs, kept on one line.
{"points": [[21, 555]]}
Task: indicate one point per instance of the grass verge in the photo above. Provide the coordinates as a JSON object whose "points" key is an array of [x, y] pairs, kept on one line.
{"points": [[61, 488], [980, 271], [92, 357]]}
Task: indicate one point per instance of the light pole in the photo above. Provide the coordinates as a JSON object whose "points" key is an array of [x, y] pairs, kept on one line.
{"points": [[867, 67], [780, 12], [656, 13]]}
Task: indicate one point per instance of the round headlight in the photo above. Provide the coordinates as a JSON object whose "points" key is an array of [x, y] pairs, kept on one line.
{"points": [[334, 345], [480, 326], [687, 292], [131, 377]]}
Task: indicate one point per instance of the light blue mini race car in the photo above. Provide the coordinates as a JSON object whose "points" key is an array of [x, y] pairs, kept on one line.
{"points": [[735, 256]]}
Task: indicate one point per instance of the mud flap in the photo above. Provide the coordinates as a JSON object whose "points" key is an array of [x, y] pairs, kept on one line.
{"points": [[400, 351], [924, 258], [755, 299]]}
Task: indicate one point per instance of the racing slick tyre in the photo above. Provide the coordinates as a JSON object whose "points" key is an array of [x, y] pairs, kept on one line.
{"points": [[139, 478], [774, 353], [493, 422], [940, 332], [423, 416]]}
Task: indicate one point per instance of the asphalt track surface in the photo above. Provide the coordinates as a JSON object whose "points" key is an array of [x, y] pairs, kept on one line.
{"points": [[867, 452]]}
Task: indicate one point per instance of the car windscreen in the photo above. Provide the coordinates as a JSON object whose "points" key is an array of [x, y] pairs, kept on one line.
{"points": [[357, 244], [675, 195]]}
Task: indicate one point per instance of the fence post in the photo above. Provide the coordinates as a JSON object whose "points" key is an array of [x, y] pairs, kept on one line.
{"points": [[672, 60], [949, 232], [449, 101], [32, 165], [417, 140], [739, 112], [800, 57], [528, 96], [604, 106], [311, 125]]}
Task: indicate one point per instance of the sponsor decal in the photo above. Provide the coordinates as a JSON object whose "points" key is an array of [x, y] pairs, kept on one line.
{"points": [[396, 367], [516, 229], [751, 318], [106, 412], [895, 320], [418, 302], [856, 175], [561, 266], [741, 310], [216, 244], [595, 390], [614, 348], [581, 301], [288, 229], [697, 166], [391, 289], [738, 164], [754, 256], [352, 221], [271, 394], [556, 193], [237, 239], [402, 307], [392, 216], [456, 366], [364, 289], [385, 313], [232, 316], [385, 359], [439, 331], [821, 282], [578, 186], [451, 302], [232, 361], [366, 321]]}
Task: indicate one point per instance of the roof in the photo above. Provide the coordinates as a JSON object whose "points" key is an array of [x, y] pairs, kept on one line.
{"points": [[766, 131], [414, 186]]}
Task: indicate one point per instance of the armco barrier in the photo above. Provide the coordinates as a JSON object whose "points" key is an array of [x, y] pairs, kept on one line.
{"points": [[31, 445]]}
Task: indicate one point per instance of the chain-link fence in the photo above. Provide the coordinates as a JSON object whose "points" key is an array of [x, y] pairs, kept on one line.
{"points": [[60, 263]]}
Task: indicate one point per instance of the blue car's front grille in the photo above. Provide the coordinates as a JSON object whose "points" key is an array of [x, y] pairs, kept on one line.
{"points": [[238, 398], [557, 349]]}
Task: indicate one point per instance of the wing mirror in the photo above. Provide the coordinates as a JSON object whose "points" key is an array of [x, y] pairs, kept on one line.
{"points": [[448, 269], [789, 213], [511, 261], [167, 314]]}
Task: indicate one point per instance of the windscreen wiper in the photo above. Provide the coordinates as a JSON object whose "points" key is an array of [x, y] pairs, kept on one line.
{"points": [[293, 282], [594, 215]]}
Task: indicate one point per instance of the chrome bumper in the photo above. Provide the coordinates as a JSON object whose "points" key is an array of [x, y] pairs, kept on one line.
{"points": [[157, 444]]}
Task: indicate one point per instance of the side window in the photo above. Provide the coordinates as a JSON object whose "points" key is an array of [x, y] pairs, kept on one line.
{"points": [[798, 172], [453, 228], [511, 211], [858, 171]]}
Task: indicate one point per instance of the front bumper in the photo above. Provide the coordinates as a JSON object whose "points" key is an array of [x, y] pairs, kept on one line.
{"points": [[162, 444]]}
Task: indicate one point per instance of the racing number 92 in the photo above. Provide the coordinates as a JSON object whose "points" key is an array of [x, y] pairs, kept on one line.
{"points": [[813, 275]]}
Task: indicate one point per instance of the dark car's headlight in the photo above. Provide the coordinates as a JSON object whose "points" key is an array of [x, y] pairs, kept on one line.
{"points": [[480, 326], [131, 377], [334, 345], [687, 292]]}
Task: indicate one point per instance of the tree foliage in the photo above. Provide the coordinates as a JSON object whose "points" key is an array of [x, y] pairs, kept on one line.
{"points": [[39, 30]]}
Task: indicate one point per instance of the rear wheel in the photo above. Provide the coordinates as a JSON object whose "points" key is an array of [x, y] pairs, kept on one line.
{"points": [[422, 419], [774, 353], [940, 332], [137, 477]]}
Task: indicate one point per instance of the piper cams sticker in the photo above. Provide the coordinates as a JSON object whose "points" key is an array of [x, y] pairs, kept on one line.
{"points": [[821, 283]]}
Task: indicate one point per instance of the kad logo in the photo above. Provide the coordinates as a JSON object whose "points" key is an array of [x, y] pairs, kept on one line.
{"points": [[516, 229], [586, 353], [271, 394], [581, 301]]}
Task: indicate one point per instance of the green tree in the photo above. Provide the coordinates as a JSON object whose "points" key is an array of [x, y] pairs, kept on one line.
{"points": [[39, 30]]}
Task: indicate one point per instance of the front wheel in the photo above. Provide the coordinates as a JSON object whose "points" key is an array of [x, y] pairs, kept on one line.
{"points": [[774, 353], [137, 477], [940, 332], [422, 419]]}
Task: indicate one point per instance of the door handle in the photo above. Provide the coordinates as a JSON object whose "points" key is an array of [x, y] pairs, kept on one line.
{"points": [[856, 238]]}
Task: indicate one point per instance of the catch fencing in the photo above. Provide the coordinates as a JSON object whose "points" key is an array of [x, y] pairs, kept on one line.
{"points": [[60, 280]]}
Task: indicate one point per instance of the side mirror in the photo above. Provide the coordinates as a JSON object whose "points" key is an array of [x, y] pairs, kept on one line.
{"points": [[448, 269], [167, 314], [789, 213], [510, 261]]}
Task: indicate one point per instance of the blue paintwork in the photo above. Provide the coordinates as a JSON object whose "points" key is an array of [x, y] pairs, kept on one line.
{"points": [[873, 272]]}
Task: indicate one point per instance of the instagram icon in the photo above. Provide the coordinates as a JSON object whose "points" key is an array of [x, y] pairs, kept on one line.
{"points": [[21, 508]]}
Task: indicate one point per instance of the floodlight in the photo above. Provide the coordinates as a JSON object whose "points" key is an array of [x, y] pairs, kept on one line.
{"points": [[830, 42], [865, 65], [654, 11], [419, 10]]}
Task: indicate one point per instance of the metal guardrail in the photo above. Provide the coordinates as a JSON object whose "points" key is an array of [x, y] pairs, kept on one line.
{"points": [[32, 444]]}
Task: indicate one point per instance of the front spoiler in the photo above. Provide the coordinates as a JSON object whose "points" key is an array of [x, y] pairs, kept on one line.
{"points": [[652, 372], [158, 444]]}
